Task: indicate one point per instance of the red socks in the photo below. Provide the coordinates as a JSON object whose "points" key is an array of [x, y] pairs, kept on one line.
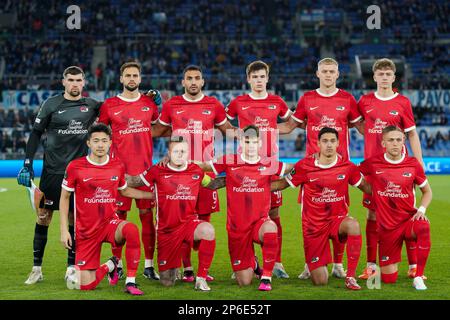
{"points": [[411, 250], [422, 230], [117, 251], [338, 251], [186, 255], [148, 234], [269, 252], [100, 273], [371, 240], [205, 256], [279, 236], [389, 277], [133, 248], [353, 253]]}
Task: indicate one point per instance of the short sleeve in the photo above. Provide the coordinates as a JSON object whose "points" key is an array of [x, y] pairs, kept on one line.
{"points": [[420, 179], [297, 176], [354, 114], [165, 118], [43, 117], [300, 112], [104, 114], [218, 165], [149, 175], [284, 111], [220, 116], [408, 117], [281, 169], [231, 110], [355, 177], [122, 182], [360, 106], [69, 181]]}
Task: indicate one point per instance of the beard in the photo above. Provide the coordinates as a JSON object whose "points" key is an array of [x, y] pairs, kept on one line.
{"points": [[74, 93], [129, 88]]}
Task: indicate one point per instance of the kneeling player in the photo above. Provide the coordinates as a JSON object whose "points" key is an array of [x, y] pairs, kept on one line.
{"points": [[394, 177], [95, 180], [177, 186], [325, 178]]}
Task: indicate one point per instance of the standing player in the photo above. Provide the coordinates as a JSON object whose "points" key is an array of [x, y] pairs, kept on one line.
{"points": [[325, 178], [262, 109], [248, 178], [131, 115], [380, 109], [394, 177], [194, 117], [331, 107], [94, 180], [177, 187], [65, 119]]}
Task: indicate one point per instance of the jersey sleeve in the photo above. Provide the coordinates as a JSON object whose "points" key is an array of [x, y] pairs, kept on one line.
{"points": [[284, 112], [149, 175], [281, 170], [420, 179], [408, 117], [43, 117], [355, 177], [165, 118], [354, 114], [300, 112], [231, 110], [104, 114], [122, 182], [220, 117], [69, 180], [218, 165], [296, 177], [360, 106]]}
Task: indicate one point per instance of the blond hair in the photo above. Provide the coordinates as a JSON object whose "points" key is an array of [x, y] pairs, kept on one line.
{"points": [[327, 61]]}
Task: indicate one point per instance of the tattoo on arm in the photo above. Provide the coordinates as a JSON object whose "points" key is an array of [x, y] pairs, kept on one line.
{"points": [[217, 183]]}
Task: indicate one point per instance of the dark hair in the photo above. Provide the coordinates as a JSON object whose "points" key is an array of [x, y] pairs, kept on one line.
{"points": [[250, 131], [99, 127], [256, 66], [73, 70], [391, 128], [130, 64], [328, 130], [192, 67]]}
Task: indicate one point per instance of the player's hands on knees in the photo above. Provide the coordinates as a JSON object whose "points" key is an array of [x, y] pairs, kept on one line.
{"points": [[25, 176], [66, 239], [420, 216], [155, 95]]}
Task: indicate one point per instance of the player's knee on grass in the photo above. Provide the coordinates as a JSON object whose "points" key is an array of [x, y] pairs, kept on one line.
{"points": [[319, 276], [371, 215], [44, 217], [204, 231], [244, 277], [274, 213], [168, 277]]}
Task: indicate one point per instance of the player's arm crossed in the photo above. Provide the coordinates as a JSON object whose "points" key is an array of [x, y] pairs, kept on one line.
{"points": [[159, 130], [359, 125], [364, 186], [134, 181], [288, 126], [208, 182], [130, 192]]}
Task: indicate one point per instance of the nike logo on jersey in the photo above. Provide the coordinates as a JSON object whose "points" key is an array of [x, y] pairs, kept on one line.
{"points": [[312, 180], [166, 177], [232, 169], [379, 172], [87, 179], [313, 108], [245, 108], [370, 110], [116, 113], [178, 112], [61, 111]]}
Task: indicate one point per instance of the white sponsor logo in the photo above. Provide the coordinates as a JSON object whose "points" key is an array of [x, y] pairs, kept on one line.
{"points": [[378, 126], [61, 111], [116, 113], [100, 196], [393, 191], [38, 120], [182, 193], [74, 127], [248, 185], [328, 195], [87, 179], [194, 127], [325, 121], [313, 108], [263, 124], [134, 126]]}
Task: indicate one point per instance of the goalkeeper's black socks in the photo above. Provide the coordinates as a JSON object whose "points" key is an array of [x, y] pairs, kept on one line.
{"points": [[39, 242]]}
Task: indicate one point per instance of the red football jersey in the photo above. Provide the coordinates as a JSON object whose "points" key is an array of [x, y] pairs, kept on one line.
{"points": [[95, 191], [248, 190], [324, 190], [195, 120], [131, 125], [335, 111], [177, 193], [263, 113], [379, 113], [393, 187]]}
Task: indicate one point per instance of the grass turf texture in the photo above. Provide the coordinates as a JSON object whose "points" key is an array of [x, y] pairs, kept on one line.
{"points": [[17, 222]]}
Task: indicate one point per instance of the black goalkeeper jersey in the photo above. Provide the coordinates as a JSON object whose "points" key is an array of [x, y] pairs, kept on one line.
{"points": [[66, 124]]}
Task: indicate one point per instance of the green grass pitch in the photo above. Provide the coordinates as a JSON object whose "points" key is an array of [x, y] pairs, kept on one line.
{"points": [[17, 222]]}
